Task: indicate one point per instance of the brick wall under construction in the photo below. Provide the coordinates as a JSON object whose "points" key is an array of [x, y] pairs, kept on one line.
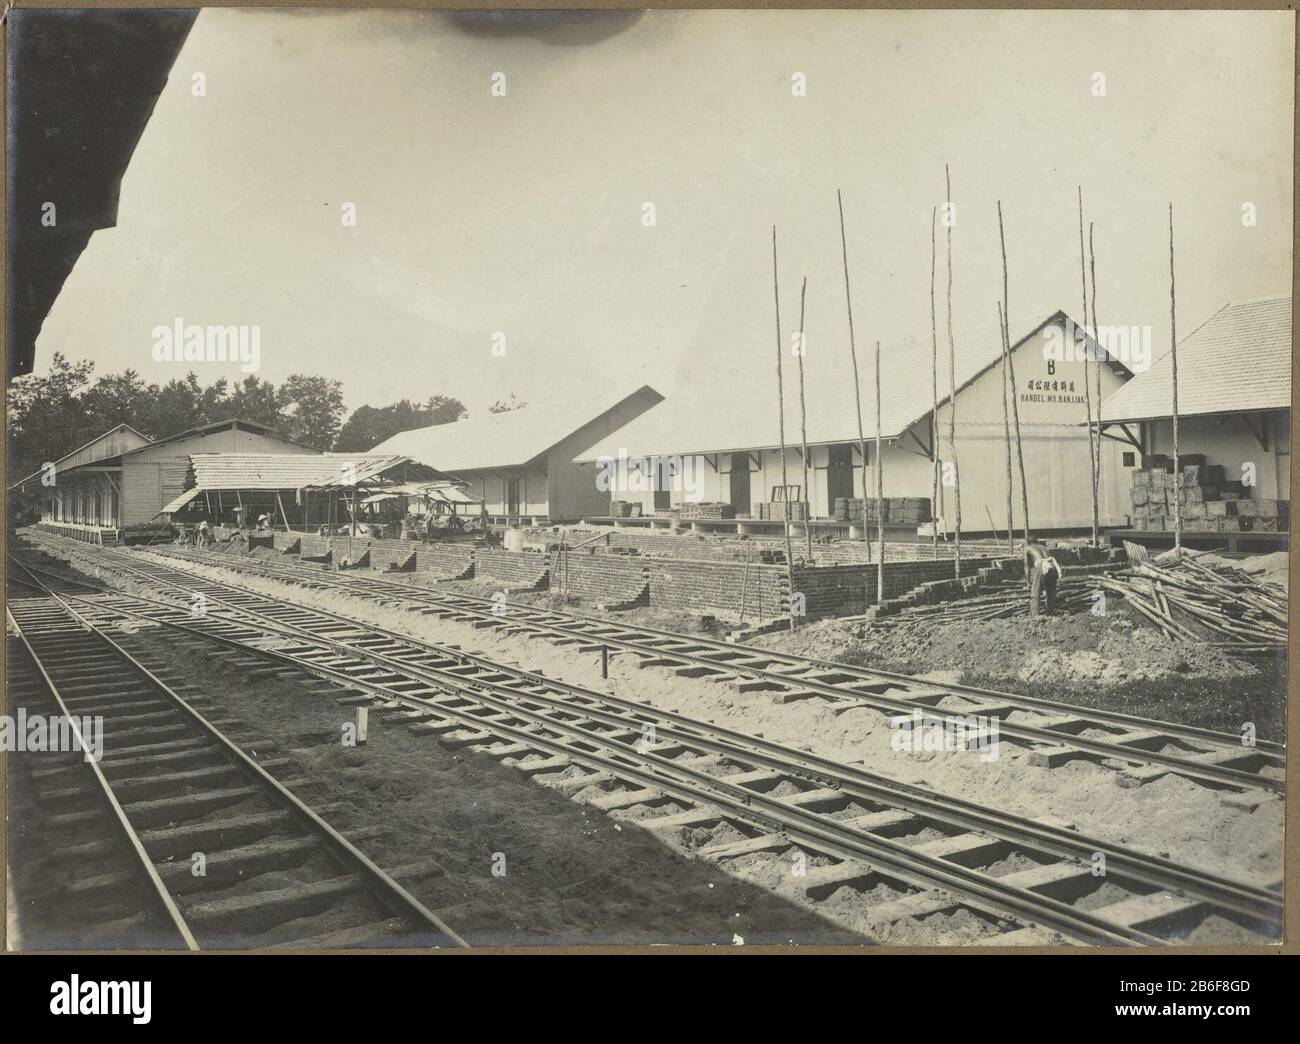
{"points": [[601, 578], [700, 585]]}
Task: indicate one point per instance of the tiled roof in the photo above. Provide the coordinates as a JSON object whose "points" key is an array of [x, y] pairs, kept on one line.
{"points": [[303, 470], [705, 421], [1238, 360], [502, 440]]}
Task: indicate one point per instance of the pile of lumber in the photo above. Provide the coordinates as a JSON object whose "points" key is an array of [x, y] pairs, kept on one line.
{"points": [[1208, 502], [1006, 598], [899, 511], [1194, 601]]}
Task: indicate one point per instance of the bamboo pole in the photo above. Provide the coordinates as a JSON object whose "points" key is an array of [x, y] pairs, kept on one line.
{"points": [[952, 395], [1011, 370], [803, 425], [1173, 355], [1006, 427], [857, 396], [935, 509], [880, 493], [1096, 336], [780, 410], [1094, 451]]}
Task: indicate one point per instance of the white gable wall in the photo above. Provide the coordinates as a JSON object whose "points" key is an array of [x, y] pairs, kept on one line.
{"points": [[1054, 442]]}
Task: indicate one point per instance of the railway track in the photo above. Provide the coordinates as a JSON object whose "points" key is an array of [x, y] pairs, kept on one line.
{"points": [[862, 830], [178, 835], [1056, 732]]}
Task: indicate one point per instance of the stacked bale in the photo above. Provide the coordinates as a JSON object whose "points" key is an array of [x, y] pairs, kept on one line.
{"points": [[898, 511], [1208, 502]]}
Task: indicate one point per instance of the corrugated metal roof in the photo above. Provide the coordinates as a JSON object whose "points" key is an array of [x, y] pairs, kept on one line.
{"points": [[89, 452], [208, 429], [301, 470], [502, 440], [1238, 360], [710, 422]]}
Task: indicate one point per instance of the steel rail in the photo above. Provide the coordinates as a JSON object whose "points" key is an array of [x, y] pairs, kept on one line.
{"points": [[1249, 900], [1204, 772], [735, 802], [610, 629], [695, 786], [384, 887], [158, 891]]}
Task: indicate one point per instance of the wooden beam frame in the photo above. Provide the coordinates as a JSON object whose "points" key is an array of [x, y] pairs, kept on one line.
{"points": [[1261, 434], [1122, 440], [926, 451], [1127, 439]]}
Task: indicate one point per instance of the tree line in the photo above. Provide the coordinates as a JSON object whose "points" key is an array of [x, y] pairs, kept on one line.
{"points": [[51, 414]]}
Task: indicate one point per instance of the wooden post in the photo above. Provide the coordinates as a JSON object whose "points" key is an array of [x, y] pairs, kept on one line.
{"points": [[1173, 356], [880, 493], [992, 526], [283, 516], [1093, 449], [803, 426], [1008, 388], [857, 395], [1096, 337], [1011, 371], [952, 395], [935, 511], [780, 407]]}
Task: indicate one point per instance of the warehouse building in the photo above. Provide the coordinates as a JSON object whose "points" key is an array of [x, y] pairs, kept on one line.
{"points": [[305, 491], [521, 464], [1234, 420], [1234, 396], [729, 453], [122, 478]]}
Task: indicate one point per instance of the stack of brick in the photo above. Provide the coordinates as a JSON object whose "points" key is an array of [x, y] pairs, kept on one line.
{"points": [[709, 509], [1207, 501]]}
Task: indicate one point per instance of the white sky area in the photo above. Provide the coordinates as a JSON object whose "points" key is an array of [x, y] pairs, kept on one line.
{"points": [[522, 214]]}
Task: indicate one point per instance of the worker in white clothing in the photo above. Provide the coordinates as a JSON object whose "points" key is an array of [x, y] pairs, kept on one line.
{"points": [[1043, 572]]}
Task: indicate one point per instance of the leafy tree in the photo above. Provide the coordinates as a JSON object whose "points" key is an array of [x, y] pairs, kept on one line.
{"points": [[312, 408], [443, 409], [506, 407], [369, 425], [53, 413], [254, 400], [45, 415], [115, 399]]}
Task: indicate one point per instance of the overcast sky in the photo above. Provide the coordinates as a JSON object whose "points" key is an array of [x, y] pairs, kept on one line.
{"points": [[523, 213]]}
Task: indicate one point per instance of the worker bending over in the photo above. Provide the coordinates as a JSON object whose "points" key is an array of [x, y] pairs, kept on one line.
{"points": [[1042, 571]]}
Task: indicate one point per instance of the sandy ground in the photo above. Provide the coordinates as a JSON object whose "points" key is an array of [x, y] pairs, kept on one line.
{"points": [[1113, 662], [1170, 816]]}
